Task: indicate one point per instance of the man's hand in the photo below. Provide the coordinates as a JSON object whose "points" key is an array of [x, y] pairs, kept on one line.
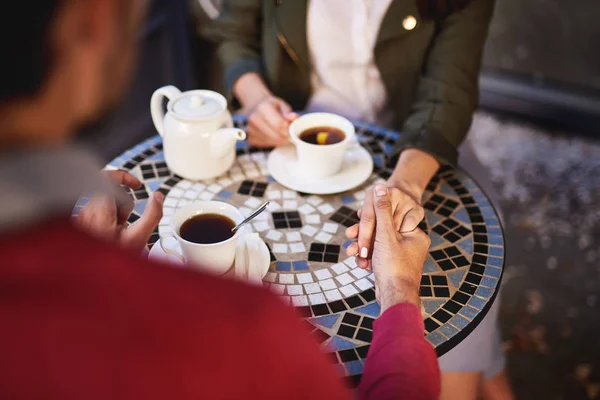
{"points": [[398, 258], [101, 217], [268, 122], [407, 213]]}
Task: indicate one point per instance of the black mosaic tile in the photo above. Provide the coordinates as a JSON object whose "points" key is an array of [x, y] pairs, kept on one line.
{"points": [[449, 203], [460, 261], [452, 251], [141, 193], [163, 173], [462, 231], [479, 228], [446, 265], [320, 309], [425, 280], [452, 237], [452, 306], [450, 223], [425, 291], [171, 182], [461, 298], [440, 230], [351, 319], [480, 259], [367, 323], [442, 316], [252, 188], [481, 248], [320, 252], [477, 268], [160, 164], [441, 291], [146, 167], [468, 288], [128, 165], [304, 311], [438, 255], [363, 351], [473, 278], [445, 211], [286, 220], [345, 216], [439, 280], [149, 152], [348, 355], [346, 331], [368, 295], [436, 198], [354, 301], [431, 325], [364, 335], [337, 306]]}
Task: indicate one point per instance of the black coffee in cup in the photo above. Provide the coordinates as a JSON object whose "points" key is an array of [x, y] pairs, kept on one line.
{"points": [[207, 229], [322, 135]]}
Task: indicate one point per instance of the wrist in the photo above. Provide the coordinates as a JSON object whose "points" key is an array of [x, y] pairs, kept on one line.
{"points": [[397, 291], [412, 173], [250, 90]]}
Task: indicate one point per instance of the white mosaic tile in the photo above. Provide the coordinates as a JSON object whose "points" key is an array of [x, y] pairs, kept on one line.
{"points": [[214, 188], [206, 196], [328, 284], [197, 186], [323, 237], [299, 301], [351, 262], [304, 278], [348, 290], [274, 235], [237, 176], [170, 202], [317, 298], [340, 268], [274, 194], [290, 204], [259, 156], [359, 195], [183, 202], [165, 220], [326, 208], [313, 219], [364, 284], [187, 185], [312, 288], [308, 230], [262, 217], [225, 182], [277, 289], [253, 202], [289, 194], [164, 229], [261, 226], [323, 274], [270, 277], [280, 248], [176, 192], [236, 169], [297, 247], [306, 209], [274, 206], [333, 295], [371, 276], [168, 211], [330, 227], [245, 211], [295, 290], [264, 170], [344, 279], [252, 173], [191, 194], [293, 236], [359, 273], [314, 200], [286, 278]]}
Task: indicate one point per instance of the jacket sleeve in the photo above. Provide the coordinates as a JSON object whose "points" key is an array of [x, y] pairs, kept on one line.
{"points": [[447, 93], [400, 362], [237, 31]]}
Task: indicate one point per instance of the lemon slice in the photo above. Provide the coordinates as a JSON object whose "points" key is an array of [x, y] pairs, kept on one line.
{"points": [[322, 137]]}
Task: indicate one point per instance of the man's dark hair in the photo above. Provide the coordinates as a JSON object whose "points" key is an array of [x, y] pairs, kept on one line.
{"points": [[25, 46]]}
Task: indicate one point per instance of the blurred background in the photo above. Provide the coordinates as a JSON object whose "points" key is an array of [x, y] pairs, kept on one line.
{"points": [[538, 135]]}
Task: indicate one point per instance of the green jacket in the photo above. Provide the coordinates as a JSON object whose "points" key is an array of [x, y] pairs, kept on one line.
{"points": [[430, 72]]}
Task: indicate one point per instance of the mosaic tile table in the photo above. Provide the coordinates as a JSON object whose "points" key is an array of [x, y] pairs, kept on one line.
{"points": [[305, 235]]}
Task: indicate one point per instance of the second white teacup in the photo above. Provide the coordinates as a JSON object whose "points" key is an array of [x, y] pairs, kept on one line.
{"points": [[320, 161], [216, 258]]}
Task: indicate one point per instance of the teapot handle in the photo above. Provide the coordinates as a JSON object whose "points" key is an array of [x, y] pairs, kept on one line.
{"points": [[156, 105]]}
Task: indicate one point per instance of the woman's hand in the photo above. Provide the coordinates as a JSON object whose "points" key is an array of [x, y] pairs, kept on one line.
{"points": [[101, 218]]}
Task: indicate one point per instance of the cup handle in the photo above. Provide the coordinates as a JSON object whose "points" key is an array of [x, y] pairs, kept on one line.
{"points": [[156, 105], [168, 251]]}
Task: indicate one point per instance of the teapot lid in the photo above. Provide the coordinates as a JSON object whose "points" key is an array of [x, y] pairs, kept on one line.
{"points": [[199, 104]]}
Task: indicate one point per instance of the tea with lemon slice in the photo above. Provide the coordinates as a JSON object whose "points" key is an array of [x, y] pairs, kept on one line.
{"points": [[322, 135]]}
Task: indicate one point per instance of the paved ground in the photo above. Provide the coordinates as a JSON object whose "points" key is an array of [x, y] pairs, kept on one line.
{"points": [[550, 189]]}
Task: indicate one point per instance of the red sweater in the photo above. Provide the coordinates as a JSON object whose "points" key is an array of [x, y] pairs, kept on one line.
{"points": [[84, 319]]}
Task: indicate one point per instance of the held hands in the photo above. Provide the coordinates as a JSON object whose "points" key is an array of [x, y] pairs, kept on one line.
{"points": [[398, 257], [102, 218], [268, 122]]}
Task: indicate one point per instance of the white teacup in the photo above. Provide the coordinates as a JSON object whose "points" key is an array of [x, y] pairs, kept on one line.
{"points": [[216, 258], [320, 161]]}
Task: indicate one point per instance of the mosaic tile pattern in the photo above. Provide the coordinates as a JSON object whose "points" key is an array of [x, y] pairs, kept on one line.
{"points": [[305, 236]]}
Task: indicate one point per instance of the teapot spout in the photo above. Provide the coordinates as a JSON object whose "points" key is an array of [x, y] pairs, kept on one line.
{"points": [[223, 141]]}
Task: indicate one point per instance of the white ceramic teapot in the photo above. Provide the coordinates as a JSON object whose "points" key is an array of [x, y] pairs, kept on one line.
{"points": [[198, 134]]}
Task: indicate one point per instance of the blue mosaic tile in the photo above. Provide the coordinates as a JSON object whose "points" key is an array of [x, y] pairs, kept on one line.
{"points": [[435, 338], [494, 231], [484, 292], [225, 194], [477, 302], [337, 343], [496, 251], [462, 216], [495, 262], [436, 240], [378, 160], [300, 265], [433, 219], [446, 189], [487, 212], [466, 245], [157, 157], [457, 277], [491, 271], [372, 309], [447, 330], [327, 321], [139, 206], [153, 184], [495, 239], [468, 312], [354, 367], [478, 195], [156, 139], [429, 266], [270, 179], [459, 322], [492, 222], [117, 163], [283, 266], [432, 306], [347, 243], [347, 199], [388, 148], [241, 145], [469, 184]]}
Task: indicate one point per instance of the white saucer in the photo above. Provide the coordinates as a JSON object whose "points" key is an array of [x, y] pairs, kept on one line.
{"points": [[157, 253], [356, 169]]}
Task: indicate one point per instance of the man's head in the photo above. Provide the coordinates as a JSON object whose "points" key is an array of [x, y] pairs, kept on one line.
{"points": [[64, 63]]}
